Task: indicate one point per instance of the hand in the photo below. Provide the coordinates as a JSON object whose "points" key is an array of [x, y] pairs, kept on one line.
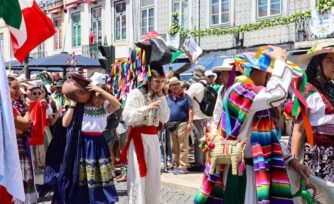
{"points": [[301, 169], [154, 105], [73, 103], [189, 127], [93, 87], [277, 53]]}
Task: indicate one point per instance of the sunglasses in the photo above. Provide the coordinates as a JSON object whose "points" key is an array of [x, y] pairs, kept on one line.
{"points": [[36, 93], [211, 76]]}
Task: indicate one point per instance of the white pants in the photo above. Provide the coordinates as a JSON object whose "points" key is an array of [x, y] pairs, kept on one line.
{"points": [[144, 190]]}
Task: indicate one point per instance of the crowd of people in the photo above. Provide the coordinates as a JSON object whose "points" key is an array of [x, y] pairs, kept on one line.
{"points": [[76, 146]]}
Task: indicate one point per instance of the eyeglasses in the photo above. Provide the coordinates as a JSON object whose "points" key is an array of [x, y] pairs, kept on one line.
{"points": [[211, 76], [36, 93]]}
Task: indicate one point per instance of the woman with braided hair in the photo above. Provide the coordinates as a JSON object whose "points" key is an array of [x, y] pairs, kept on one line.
{"points": [[319, 95]]}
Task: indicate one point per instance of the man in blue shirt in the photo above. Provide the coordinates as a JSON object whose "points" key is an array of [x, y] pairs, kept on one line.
{"points": [[179, 125]]}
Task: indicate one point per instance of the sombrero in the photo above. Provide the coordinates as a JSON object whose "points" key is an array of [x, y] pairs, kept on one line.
{"points": [[321, 48], [260, 61], [226, 66]]}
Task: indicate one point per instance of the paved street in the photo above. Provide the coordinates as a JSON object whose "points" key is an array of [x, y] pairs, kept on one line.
{"points": [[169, 195]]}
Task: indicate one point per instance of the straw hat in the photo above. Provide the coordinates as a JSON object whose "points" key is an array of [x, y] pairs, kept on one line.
{"points": [[174, 80], [247, 61], [226, 66], [321, 48]]}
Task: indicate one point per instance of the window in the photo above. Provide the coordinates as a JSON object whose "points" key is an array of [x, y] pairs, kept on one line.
{"points": [[58, 35], [267, 8], [1, 43], [147, 20], [120, 20], [76, 30], [97, 24], [220, 12], [182, 7]]}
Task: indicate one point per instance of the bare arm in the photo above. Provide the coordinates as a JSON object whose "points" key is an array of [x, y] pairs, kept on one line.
{"points": [[114, 104], [21, 123], [69, 115], [297, 139]]}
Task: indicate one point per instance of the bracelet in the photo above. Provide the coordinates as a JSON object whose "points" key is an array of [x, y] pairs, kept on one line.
{"points": [[289, 160], [73, 107]]}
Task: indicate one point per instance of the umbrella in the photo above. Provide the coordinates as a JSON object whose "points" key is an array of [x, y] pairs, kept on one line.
{"points": [[64, 60]]}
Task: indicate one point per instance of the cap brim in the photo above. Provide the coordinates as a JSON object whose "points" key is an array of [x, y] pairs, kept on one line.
{"points": [[221, 69]]}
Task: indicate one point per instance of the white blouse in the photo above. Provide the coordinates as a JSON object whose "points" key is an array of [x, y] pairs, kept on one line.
{"points": [[95, 118], [317, 113]]}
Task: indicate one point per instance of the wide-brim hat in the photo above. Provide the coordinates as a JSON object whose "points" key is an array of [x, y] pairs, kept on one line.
{"points": [[199, 73], [321, 48], [209, 73], [247, 61], [174, 80], [226, 66]]}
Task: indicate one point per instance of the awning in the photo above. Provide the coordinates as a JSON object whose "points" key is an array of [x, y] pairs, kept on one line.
{"points": [[55, 10], [207, 63], [175, 67], [91, 1]]}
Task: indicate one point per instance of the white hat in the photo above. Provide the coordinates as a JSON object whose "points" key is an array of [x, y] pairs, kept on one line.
{"points": [[208, 73], [226, 66], [99, 79]]}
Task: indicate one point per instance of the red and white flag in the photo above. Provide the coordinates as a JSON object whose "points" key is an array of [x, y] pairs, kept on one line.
{"points": [[28, 25]]}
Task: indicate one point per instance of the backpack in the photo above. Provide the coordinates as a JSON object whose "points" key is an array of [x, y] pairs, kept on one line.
{"points": [[207, 105]]}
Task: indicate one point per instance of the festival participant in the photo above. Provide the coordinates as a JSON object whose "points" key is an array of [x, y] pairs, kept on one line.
{"points": [[319, 94], [86, 172], [224, 73], [248, 113], [144, 109], [22, 125]]}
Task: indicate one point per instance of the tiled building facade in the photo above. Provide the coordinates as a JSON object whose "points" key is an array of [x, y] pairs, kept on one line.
{"points": [[123, 22]]}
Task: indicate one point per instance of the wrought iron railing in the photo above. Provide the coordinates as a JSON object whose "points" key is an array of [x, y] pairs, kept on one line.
{"points": [[38, 55], [303, 31], [91, 51]]}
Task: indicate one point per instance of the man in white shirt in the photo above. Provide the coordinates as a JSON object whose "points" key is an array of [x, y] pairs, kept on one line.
{"points": [[144, 109], [196, 93]]}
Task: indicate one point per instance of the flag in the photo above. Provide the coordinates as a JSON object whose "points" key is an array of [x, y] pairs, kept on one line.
{"points": [[191, 48], [10, 169], [28, 25]]}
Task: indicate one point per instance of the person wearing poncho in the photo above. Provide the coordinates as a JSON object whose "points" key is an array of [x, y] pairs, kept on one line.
{"points": [[319, 94], [144, 108], [248, 112]]}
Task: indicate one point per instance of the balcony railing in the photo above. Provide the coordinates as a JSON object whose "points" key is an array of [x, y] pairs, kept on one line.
{"points": [[38, 55], [49, 4], [91, 51], [304, 33]]}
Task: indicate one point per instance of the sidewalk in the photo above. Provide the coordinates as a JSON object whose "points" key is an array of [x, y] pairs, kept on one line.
{"points": [[187, 182]]}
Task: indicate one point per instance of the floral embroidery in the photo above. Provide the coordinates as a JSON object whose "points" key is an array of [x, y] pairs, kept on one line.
{"points": [[94, 111], [95, 173]]}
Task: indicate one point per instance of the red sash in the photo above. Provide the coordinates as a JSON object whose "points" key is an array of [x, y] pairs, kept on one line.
{"points": [[135, 134]]}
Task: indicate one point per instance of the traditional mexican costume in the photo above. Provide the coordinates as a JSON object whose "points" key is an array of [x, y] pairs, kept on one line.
{"points": [[248, 112], [85, 175]]}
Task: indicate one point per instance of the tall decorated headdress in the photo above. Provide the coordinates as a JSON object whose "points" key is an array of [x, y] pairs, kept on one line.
{"points": [[134, 72]]}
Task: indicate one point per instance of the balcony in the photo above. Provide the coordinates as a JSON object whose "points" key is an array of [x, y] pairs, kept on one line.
{"points": [[51, 6], [91, 51], [38, 55], [304, 36]]}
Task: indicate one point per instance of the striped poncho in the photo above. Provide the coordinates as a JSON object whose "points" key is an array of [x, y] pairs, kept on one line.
{"points": [[272, 183]]}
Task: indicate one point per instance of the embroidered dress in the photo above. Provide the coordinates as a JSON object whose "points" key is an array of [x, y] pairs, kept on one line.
{"points": [[19, 108], [95, 178], [265, 179], [320, 157]]}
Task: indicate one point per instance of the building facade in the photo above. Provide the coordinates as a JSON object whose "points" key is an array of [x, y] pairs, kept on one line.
{"points": [[83, 24]]}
